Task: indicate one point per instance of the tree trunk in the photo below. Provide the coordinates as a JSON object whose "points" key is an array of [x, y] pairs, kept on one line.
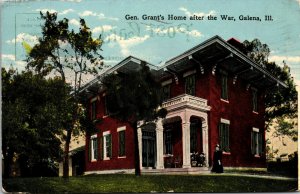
{"points": [[66, 155], [136, 150]]}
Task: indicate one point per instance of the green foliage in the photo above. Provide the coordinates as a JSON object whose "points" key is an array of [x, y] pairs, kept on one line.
{"points": [[34, 110], [61, 49], [133, 96], [27, 47], [279, 104], [285, 127]]}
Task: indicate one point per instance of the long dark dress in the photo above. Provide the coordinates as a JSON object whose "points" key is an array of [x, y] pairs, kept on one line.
{"points": [[217, 162]]}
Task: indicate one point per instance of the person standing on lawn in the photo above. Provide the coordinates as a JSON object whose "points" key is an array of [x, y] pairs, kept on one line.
{"points": [[217, 160]]}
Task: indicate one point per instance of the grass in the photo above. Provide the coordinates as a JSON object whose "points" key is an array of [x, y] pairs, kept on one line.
{"points": [[149, 183]]}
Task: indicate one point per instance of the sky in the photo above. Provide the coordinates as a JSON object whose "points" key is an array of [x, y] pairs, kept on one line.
{"points": [[152, 40]]}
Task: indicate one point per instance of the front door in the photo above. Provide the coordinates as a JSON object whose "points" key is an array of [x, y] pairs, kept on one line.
{"points": [[148, 148]]}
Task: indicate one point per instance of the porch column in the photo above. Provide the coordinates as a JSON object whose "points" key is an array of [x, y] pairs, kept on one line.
{"points": [[186, 145], [139, 132], [159, 145], [205, 139]]}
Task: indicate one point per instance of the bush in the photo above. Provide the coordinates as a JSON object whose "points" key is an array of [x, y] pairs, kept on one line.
{"points": [[286, 168]]}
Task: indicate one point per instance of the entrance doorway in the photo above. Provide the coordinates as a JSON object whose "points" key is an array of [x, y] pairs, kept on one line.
{"points": [[149, 148]]}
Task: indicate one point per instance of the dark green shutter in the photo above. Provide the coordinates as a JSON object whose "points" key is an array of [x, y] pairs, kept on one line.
{"points": [[89, 150], [100, 153], [252, 143], [227, 137], [254, 100], [109, 143], [260, 143], [96, 148], [220, 135], [122, 143], [224, 87]]}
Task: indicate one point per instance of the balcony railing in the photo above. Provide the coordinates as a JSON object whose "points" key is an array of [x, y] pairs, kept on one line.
{"points": [[186, 101]]}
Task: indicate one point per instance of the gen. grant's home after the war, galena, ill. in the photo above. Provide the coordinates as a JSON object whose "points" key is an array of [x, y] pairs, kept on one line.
{"points": [[214, 94]]}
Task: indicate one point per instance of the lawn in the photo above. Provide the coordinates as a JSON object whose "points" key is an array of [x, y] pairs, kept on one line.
{"points": [[149, 183]]}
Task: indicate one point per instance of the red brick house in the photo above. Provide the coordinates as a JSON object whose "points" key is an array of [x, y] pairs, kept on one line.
{"points": [[214, 94]]}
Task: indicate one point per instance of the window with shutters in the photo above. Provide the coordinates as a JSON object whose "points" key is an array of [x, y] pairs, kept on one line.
{"points": [[224, 86], [107, 145], [166, 92], [224, 135], [94, 147], [121, 132], [254, 100], [190, 85], [256, 142]]}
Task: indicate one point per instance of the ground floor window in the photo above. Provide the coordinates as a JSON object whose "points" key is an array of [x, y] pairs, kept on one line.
{"points": [[107, 145], [256, 142], [224, 135], [94, 147], [121, 132], [193, 137], [168, 146]]}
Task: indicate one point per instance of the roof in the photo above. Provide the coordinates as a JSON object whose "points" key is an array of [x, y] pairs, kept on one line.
{"points": [[214, 51]]}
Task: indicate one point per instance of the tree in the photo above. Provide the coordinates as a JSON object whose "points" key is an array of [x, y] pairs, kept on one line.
{"points": [[34, 112], [66, 52], [281, 106], [132, 97]]}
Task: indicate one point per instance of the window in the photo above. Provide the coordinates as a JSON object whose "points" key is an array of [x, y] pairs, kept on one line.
{"points": [[256, 142], [105, 106], [224, 135], [224, 86], [193, 137], [94, 148], [190, 85], [168, 148], [107, 144], [93, 110], [121, 132], [166, 92], [254, 100]]}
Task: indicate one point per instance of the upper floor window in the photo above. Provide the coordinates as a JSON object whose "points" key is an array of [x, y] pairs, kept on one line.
{"points": [[254, 100], [256, 142], [93, 148], [105, 105], [224, 86], [224, 135], [190, 85], [93, 109], [166, 90]]}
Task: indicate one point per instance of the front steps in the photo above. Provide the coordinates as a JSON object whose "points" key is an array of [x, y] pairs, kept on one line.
{"points": [[193, 170]]}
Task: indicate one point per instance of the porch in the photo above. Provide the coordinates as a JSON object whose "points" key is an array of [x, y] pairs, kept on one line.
{"points": [[167, 145]]}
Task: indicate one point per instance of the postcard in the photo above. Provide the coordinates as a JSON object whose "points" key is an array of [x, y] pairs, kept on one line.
{"points": [[150, 96]]}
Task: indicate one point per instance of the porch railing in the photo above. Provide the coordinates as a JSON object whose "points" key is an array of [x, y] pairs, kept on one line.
{"points": [[186, 100]]}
